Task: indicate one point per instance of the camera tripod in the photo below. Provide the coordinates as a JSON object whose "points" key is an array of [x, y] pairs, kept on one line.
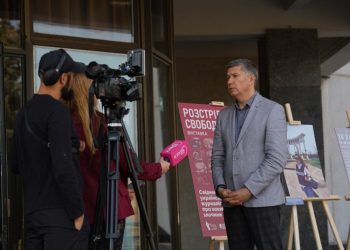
{"points": [[117, 137]]}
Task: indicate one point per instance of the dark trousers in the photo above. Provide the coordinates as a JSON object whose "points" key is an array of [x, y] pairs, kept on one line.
{"points": [[52, 230], [247, 226]]}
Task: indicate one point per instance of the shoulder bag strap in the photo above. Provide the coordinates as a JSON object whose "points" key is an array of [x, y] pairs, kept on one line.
{"points": [[39, 139]]}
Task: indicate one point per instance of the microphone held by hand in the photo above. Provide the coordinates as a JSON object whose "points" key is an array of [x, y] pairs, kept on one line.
{"points": [[175, 152]]}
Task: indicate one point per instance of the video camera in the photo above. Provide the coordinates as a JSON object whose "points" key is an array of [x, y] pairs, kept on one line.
{"points": [[110, 87]]}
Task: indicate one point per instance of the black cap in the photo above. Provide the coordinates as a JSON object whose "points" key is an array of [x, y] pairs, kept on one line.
{"points": [[53, 58]]}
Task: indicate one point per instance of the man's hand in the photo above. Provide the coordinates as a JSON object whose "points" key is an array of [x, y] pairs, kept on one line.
{"points": [[78, 222], [227, 196], [235, 198]]}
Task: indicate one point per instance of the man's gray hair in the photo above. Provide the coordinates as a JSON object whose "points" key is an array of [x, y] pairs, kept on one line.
{"points": [[247, 66]]}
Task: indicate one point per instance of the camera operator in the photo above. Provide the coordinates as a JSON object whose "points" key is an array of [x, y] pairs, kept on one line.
{"points": [[42, 154], [89, 130]]}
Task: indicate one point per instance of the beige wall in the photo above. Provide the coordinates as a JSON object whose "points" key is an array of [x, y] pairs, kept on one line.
{"points": [[335, 101], [252, 17]]}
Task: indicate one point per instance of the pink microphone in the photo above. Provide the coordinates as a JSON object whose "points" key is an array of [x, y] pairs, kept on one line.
{"points": [[175, 152]]}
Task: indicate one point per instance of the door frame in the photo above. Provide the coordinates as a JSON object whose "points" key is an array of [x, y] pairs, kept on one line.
{"points": [[3, 168]]}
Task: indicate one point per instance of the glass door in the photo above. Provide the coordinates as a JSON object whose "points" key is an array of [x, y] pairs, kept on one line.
{"points": [[163, 127], [12, 98]]}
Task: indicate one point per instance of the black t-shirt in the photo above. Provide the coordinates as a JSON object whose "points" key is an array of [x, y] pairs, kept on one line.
{"points": [[50, 179]]}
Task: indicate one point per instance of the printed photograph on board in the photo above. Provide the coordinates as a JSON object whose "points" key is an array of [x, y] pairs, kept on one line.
{"points": [[303, 173]]}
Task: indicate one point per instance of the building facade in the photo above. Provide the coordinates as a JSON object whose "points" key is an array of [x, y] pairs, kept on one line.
{"points": [[298, 45], [101, 31]]}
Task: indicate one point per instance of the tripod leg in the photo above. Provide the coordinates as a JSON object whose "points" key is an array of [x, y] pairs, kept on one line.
{"points": [[112, 188], [140, 202], [98, 222]]}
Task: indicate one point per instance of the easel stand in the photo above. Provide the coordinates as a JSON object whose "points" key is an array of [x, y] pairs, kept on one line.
{"points": [[294, 226], [218, 239]]}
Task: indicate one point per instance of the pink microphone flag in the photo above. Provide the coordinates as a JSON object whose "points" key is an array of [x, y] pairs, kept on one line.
{"points": [[175, 152]]}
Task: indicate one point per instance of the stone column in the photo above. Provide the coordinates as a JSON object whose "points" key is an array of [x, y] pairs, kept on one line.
{"points": [[291, 73]]}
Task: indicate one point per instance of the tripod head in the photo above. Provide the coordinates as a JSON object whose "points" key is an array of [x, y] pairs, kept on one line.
{"points": [[114, 113]]}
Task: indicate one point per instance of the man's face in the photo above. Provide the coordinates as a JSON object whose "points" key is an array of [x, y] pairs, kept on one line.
{"points": [[239, 83]]}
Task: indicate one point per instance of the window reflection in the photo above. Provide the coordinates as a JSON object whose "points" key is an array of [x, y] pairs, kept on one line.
{"points": [[10, 23], [12, 90], [162, 131], [87, 56], [159, 26], [13, 100], [96, 19]]}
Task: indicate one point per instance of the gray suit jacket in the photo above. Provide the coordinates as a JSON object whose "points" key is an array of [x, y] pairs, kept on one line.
{"points": [[258, 157]]}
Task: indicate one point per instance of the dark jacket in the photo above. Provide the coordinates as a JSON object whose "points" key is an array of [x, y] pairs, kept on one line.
{"points": [[50, 179]]}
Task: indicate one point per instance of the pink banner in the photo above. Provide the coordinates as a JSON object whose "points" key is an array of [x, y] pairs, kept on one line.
{"points": [[198, 124]]}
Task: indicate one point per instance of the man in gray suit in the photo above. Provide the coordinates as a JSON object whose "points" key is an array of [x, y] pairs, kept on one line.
{"points": [[249, 154]]}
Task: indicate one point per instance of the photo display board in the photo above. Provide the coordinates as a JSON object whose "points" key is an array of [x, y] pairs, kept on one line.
{"points": [[303, 172]]}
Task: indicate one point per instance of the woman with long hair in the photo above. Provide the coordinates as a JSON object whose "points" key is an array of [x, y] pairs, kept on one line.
{"points": [[89, 128]]}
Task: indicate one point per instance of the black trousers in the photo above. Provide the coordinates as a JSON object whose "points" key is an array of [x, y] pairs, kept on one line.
{"points": [[248, 226], [51, 229]]}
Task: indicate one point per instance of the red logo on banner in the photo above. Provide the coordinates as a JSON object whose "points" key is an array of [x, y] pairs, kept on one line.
{"points": [[198, 124]]}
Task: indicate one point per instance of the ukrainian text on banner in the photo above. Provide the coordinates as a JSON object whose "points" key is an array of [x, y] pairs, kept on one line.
{"points": [[343, 136], [198, 124]]}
